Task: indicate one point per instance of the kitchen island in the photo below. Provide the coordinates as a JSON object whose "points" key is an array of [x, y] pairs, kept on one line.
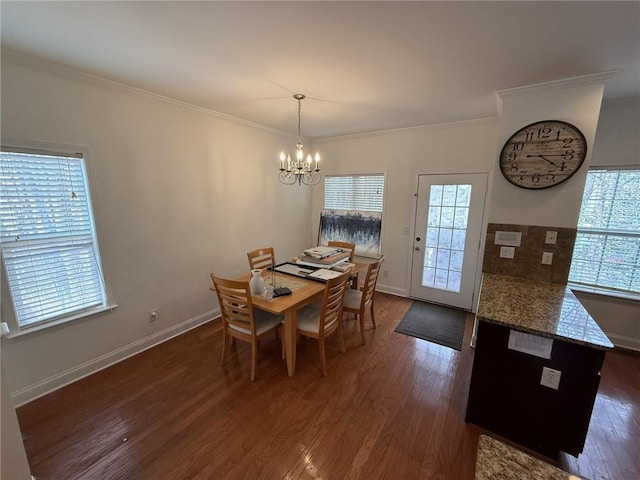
{"points": [[529, 333]]}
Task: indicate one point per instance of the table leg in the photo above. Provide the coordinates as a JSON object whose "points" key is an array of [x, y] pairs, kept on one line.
{"points": [[290, 330]]}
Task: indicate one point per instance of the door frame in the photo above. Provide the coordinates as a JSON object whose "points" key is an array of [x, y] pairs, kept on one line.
{"points": [[483, 233]]}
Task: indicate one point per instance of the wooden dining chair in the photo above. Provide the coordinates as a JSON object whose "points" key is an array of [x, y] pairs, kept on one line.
{"points": [[261, 258], [345, 245], [240, 319], [321, 320], [357, 301]]}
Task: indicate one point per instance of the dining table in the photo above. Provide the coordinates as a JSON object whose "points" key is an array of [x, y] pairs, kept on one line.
{"points": [[303, 292]]}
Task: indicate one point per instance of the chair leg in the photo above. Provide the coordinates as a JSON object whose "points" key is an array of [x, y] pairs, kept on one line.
{"points": [[254, 359], [361, 318], [341, 337], [224, 346], [373, 319], [323, 358]]}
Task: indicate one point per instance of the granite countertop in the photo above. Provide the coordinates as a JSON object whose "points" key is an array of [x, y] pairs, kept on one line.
{"points": [[498, 461], [546, 309]]}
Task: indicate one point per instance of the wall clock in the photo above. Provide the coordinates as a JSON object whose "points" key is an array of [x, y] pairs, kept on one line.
{"points": [[543, 154]]}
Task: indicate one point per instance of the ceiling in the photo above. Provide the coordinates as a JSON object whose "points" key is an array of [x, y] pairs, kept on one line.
{"points": [[364, 66]]}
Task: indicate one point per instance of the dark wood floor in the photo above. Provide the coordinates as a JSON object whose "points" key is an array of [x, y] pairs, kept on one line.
{"points": [[391, 409]]}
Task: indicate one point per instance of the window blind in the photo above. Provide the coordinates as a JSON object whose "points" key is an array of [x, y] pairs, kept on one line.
{"points": [[362, 193], [607, 249], [49, 248]]}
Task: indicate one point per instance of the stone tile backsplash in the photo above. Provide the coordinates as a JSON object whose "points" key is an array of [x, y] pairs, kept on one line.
{"points": [[527, 261]]}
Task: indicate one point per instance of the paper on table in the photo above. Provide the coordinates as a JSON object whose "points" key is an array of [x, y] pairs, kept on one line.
{"points": [[531, 344], [324, 274]]}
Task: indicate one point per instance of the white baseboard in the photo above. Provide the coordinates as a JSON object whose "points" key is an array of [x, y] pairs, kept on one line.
{"points": [[48, 385], [629, 343], [399, 292]]}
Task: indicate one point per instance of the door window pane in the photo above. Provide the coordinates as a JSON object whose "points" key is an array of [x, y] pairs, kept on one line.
{"points": [[432, 237], [435, 195], [446, 218], [455, 260], [444, 239], [430, 257], [460, 221], [434, 217], [458, 239], [463, 196]]}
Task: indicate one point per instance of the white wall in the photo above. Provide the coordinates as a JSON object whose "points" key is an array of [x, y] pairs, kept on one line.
{"points": [[618, 137], [558, 206], [465, 147], [178, 193]]}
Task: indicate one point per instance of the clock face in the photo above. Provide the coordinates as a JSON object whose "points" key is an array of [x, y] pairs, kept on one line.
{"points": [[543, 154]]}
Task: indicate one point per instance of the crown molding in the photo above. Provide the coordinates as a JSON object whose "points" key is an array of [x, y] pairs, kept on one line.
{"points": [[557, 84], [34, 63], [394, 131]]}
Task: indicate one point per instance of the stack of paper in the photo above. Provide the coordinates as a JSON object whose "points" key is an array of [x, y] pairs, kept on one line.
{"points": [[321, 252], [343, 267], [324, 257]]}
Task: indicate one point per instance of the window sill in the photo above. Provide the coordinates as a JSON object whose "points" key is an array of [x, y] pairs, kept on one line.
{"points": [[62, 321], [635, 297]]}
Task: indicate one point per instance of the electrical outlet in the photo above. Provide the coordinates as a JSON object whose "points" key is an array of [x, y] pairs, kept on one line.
{"points": [[153, 316], [550, 378], [547, 258]]}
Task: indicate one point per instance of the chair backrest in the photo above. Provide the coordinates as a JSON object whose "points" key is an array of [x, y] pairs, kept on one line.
{"points": [[332, 303], [261, 258], [346, 245], [369, 286], [236, 306]]}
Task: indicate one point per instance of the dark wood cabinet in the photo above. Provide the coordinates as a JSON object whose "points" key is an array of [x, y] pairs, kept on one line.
{"points": [[506, 397]]}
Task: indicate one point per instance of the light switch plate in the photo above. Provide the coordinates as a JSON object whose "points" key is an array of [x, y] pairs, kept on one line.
{"points": [[551, 237], [507, 252], [512, 239]]}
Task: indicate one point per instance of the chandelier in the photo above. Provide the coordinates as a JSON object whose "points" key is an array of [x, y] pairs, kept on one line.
{"points": [[299, 170]]}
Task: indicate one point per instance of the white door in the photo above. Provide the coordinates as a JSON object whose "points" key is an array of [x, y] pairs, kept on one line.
{"points": [[448, 226]]}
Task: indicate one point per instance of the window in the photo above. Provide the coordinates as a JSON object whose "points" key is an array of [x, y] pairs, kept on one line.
{"points": [[606, 254], [353, 212], [49, 247]]}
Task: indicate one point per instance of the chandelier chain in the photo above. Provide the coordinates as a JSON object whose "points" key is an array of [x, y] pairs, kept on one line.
{"points": [[299, 110]]}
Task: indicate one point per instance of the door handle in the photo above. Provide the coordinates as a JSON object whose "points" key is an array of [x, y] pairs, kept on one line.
{"points": [[417, 239]]}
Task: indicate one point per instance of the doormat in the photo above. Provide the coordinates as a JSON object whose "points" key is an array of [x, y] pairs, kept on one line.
{"points": [[434, 323]]}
